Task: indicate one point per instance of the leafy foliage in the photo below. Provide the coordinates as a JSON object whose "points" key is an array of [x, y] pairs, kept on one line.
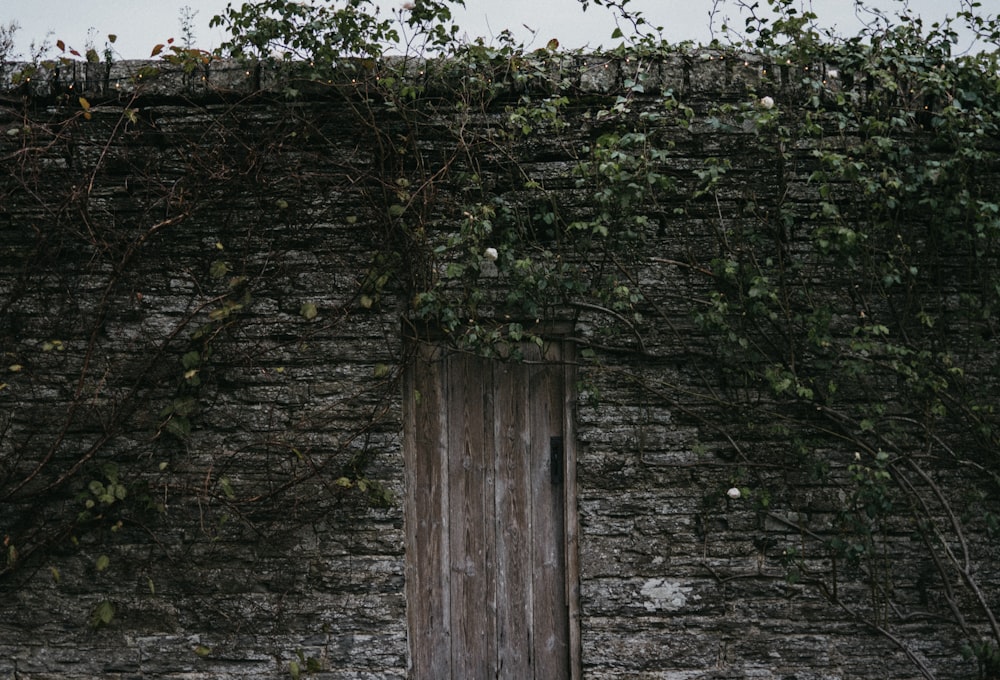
{"points": [[821, 315], [845, 319]]}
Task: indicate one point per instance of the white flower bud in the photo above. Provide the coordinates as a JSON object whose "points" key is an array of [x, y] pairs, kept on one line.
{"points": [[491, 254], [766, 103], [733, 493]]}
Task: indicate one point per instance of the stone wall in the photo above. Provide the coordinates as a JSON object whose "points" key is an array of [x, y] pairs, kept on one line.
{"points": [[190, 304]]}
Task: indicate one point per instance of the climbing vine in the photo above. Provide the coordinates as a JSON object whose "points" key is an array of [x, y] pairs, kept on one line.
{"points": [[834, 281], [835, 259], [900, 137]]}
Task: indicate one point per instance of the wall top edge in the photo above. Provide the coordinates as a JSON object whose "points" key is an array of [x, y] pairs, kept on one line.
{"points": [[696, 72]]}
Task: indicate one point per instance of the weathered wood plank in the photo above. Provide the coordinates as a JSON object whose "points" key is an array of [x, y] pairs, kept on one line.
{"points": [[513, 498], [426, 508], [550, 647], [472, 520], [571, 513]]}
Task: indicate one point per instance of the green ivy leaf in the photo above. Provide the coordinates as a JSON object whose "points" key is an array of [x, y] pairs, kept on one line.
{"points": [[308, 311], [179, 426], [218, 269], [184, 406], [102, 615]]}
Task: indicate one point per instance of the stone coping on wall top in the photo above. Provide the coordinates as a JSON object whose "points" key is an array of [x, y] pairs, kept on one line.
{"points": [[696, 72]]}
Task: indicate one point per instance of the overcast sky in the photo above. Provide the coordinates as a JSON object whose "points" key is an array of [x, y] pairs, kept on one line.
{"points": [[140, 24]]}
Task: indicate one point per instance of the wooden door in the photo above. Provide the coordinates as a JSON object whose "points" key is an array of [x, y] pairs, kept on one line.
{"points": [[489, 547]]}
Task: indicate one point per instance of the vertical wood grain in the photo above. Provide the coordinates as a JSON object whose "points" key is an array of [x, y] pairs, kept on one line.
{"points": [[550, 646], [571, 513], [487, 590], [472, 518], [513, 499], [426, 512]]}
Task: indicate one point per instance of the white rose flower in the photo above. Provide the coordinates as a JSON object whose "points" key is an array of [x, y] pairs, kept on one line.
{"points": [[733, 493], [766, 103], [491, 254]]}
